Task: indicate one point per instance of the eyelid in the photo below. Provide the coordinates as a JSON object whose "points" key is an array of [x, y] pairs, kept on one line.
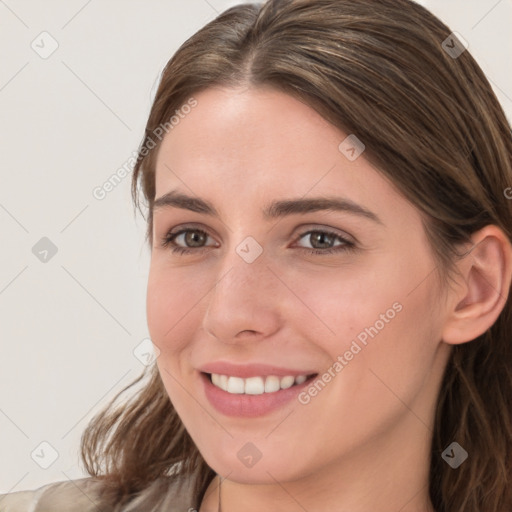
{"points": [[188, 226], [304, 229]]}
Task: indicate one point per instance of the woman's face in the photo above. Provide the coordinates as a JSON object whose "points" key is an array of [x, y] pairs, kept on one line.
{"points": [[251, 298]]}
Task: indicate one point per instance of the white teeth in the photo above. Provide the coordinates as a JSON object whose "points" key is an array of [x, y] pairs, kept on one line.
{"points": [[287, 382], [300, 379], [223, 384], [235, 385], [255, 385], [272, 384]]}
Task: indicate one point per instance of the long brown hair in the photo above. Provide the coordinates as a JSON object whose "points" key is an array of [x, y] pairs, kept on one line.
{"points": [[432, 125]]}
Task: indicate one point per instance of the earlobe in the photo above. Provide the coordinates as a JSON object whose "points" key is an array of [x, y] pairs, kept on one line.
{"points": [[485, 277]]}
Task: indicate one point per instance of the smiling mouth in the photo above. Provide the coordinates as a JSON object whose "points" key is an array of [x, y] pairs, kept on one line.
{"points": [[256, 385]]}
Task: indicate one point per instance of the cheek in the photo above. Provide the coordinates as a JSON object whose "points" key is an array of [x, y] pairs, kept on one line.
{"points": [[382, 312], [171, 309], [384, 330], [335, 304], [172, 304]]}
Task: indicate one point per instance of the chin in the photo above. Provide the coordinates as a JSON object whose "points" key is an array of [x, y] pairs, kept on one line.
{"points": [[264, 471]]}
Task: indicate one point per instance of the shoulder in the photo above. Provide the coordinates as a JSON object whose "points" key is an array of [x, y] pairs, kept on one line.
{"points": [[82, 495], [69, 496], [165, 493]]}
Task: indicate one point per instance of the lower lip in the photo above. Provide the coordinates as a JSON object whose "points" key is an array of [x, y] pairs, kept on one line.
{"points": [[249, 406]]}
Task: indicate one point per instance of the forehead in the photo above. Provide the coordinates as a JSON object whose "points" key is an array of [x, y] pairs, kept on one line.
{"points": [[263, 143], [235, 122], [248, 134]]}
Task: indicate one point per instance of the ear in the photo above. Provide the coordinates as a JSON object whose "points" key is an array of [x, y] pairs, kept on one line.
{"points": [[486, 274]]}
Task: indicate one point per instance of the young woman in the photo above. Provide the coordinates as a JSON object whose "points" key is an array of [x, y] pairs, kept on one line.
{"points": [[329, 194]]}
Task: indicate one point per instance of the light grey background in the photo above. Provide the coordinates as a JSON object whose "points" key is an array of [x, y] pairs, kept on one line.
{"points": [[69, 326]]}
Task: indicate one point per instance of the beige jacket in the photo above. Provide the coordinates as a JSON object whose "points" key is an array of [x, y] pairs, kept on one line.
{"points": [[164, 495]]}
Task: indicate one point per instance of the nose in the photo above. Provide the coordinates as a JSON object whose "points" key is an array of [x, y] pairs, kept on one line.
{"points": [[243, 305]]}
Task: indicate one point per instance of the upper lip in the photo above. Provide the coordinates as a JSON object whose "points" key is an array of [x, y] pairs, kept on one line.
{"points": [[251, 370]]}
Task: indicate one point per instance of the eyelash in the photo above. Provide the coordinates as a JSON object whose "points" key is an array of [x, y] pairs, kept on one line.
{"points": [[347, 245]]}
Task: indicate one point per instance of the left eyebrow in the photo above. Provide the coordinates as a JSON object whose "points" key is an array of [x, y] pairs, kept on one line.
{"points": [[274, 210]]}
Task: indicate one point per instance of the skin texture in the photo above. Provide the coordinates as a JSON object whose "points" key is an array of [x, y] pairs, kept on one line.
{"points": [[363, 443]]}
